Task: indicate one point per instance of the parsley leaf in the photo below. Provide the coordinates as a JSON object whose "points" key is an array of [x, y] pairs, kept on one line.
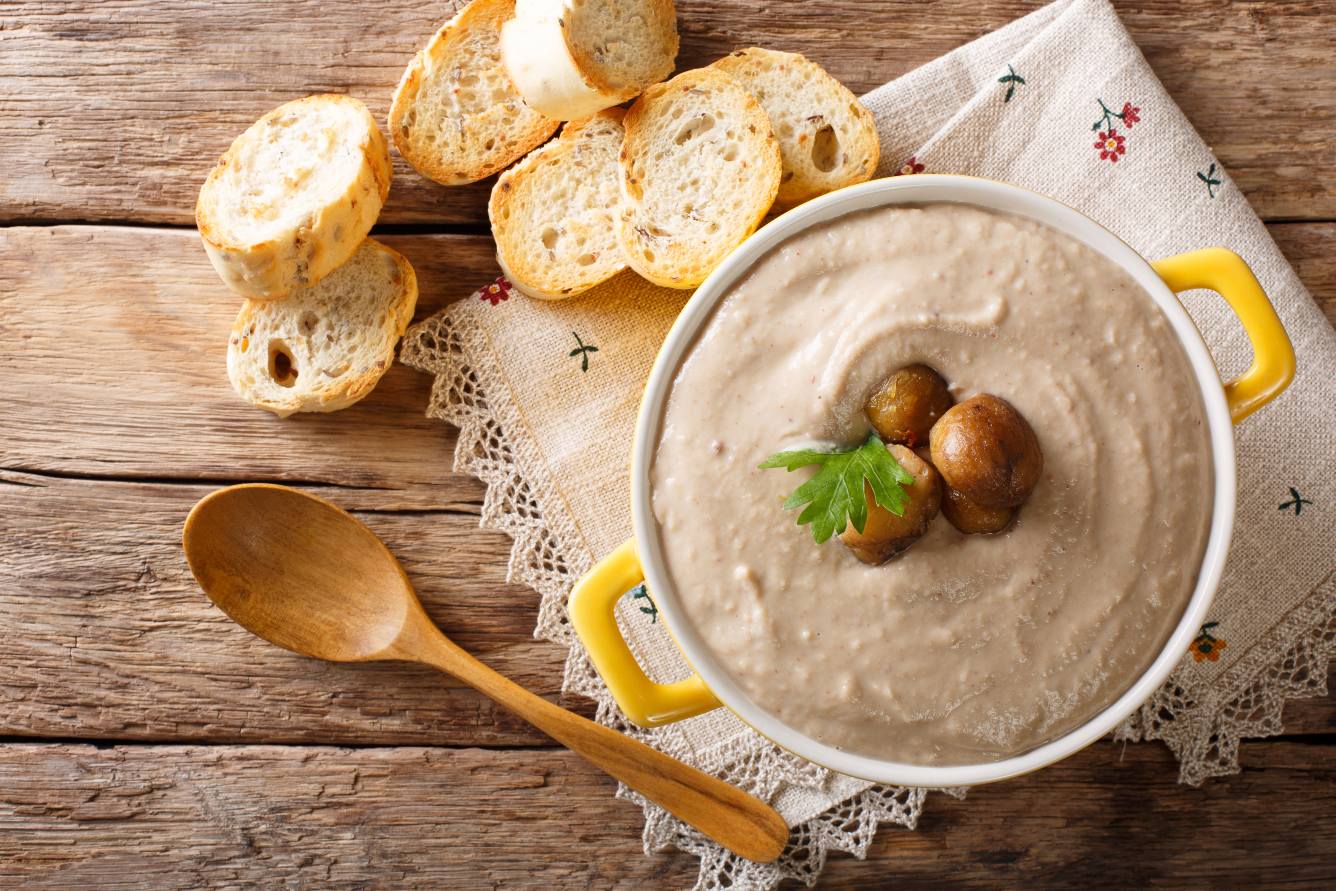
{"points": [[834, 497]]}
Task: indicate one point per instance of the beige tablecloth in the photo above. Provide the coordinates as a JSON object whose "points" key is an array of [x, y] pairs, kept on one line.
{"points": [[1061, 102]]}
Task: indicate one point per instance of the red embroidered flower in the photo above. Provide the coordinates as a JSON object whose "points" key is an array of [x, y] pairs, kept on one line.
{"points": [[495, 292], [911, 166], [1111, 145], [1131, 114]]}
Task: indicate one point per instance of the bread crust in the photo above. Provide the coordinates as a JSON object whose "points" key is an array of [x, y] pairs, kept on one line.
{"points": [[565, 79], [539, 62], [337, 392], [853, 146], [472, 147], [552, 279], [660, 12], [299, 257], [655, 246]]}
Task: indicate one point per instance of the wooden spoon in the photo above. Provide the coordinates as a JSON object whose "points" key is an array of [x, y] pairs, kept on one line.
{"points": [[305, 575]]}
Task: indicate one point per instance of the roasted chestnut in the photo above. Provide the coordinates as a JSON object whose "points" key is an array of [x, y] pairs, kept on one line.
{"points": [[904, 409], [884, 534], [974, 519], [987, 451]]}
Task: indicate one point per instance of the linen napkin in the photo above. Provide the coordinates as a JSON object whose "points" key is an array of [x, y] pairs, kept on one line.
{"points": [[1061, 102]]}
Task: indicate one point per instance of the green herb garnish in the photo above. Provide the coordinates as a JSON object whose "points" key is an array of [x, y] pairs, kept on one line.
{"points": [[834, 497]]}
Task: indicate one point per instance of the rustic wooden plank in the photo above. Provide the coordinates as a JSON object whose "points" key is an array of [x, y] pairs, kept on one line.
{"points": [[114, 363], [248, 816], [117, 110], [271, 817], [1115, 817], [108, 636], [1311, 250], [1315, 716], [93, 580]]}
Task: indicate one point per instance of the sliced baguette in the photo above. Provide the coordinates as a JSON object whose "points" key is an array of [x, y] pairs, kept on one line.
{"points": [[554, 213], [827, 139], [455, 117], [699, 169], [294, 196], [572, 58], [325, 347]]}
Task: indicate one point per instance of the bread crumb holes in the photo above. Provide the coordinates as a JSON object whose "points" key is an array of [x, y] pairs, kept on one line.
{"points": [[825, 149], [282, 370]]}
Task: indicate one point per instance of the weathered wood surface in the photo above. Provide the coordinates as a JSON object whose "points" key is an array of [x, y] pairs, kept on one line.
{"points": [[317, 817], [116, 110], [115, 416], [106, 634], [115, 364]]}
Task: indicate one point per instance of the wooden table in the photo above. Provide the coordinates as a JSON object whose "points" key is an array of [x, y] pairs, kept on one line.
{"points": [[147, 742]]}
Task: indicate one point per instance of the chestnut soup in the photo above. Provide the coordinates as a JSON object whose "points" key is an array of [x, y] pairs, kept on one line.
{"points": [[963, 648]]}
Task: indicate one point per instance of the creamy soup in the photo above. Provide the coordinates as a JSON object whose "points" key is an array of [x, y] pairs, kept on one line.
{"points": [[964, 649]]}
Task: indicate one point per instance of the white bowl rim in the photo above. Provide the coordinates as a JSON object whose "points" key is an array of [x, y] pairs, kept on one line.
{"points": [[928, 189]]}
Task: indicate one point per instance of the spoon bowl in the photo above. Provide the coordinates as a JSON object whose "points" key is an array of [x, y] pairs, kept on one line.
{"points": [[281, 563], [301, 573]]}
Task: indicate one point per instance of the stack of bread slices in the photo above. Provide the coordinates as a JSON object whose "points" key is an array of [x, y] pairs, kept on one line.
{"points": [[284, 217], [667, 187]]}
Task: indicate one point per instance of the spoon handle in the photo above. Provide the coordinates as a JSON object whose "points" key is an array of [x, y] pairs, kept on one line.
{"points": [[742, 824]]}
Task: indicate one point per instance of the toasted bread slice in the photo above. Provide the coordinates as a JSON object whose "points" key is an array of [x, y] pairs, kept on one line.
{"points": [[294, 196], [699, 169], [827, 139], [325, 347], [572, 58], [554, 213], [456, 117]]}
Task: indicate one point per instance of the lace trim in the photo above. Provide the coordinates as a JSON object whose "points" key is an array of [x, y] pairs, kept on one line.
{"points": [[1203, 728], [452, 351]]}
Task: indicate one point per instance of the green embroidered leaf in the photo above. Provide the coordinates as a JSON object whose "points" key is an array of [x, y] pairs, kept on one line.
{"points": [[834, 497], [1011, 80], [1296, 502], [582, 350], [638, 592]]}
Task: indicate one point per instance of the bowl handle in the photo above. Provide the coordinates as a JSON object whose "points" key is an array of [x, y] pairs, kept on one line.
{"points": [[591, 608], [1226, 273]]}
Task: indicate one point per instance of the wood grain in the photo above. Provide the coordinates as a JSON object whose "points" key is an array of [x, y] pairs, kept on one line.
{"points": [[115, 365], [129, 817], [108, 636], [1311, 250], [114, 111], [117, 110]]}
